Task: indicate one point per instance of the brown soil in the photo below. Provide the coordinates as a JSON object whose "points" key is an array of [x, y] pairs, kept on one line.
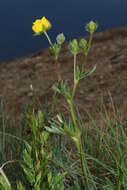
{"points": [[108, 53]]}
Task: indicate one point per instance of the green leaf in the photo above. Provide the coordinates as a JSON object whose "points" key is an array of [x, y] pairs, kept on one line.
{"points": [[20, 186], [38, 178], [63, 89], [110, 184], [49, 177], [28, 147], [30, 174], [58, 181], [27, 159], [40, 119], [60, 118], [33, 124], [4, 184], [37, 166], [88, 73], [55, 130], [44, 137]]}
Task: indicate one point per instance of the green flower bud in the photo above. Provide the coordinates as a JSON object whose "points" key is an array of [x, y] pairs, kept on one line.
{"points": [[60, 38], [91, 26], [74, 47], [83, 45]]}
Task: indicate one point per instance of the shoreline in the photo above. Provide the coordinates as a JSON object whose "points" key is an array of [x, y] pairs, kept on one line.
{"points": [[108, 52], [105, 35]]}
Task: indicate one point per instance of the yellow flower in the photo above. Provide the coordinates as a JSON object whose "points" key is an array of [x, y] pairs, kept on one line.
{"points": [[46, 24], [40, 25], [37, 26]]}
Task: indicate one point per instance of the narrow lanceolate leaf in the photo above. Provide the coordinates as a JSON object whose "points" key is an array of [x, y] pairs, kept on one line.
{"points": [[44, 137], [88, 73], [30, 175], [60, 118], [55, 130], [38, 178], [49, 178], [20, 186], [27, 158], [4, 184]]}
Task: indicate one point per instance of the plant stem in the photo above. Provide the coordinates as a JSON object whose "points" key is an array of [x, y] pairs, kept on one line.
{"points": [[3, 139], [53, 102], [80, 147], [83, 165], [119, 185], [73, 94], [77, 128], [74, 68], [119, 179], [85, 54], [48, 38], [75, 80], [84, 63], [58, 70], [74, 90], [90, 41], [73, 116]]}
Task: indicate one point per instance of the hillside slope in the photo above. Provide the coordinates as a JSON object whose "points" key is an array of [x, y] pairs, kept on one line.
{"points": [[108, 52]]}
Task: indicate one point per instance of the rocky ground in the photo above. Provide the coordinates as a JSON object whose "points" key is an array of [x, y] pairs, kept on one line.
{"points": [[108, 53]]}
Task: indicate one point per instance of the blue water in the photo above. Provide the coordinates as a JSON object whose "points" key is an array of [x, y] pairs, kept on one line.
{"points": [[68, 16]]}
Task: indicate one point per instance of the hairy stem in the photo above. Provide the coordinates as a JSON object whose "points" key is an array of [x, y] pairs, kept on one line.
{"points": [[58, 70], [75, 68], [48, 38], [83, 166], [84, 63], [90, 41], [74, 90], [54, 101]]}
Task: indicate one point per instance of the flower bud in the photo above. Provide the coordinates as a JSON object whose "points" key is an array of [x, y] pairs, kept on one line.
{"points": [[60, 38], [74, 47], [83, 45], [91, 26]]}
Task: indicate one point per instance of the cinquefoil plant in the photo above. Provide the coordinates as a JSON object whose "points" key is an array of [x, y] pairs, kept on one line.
{"points": [[36, 161]]}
